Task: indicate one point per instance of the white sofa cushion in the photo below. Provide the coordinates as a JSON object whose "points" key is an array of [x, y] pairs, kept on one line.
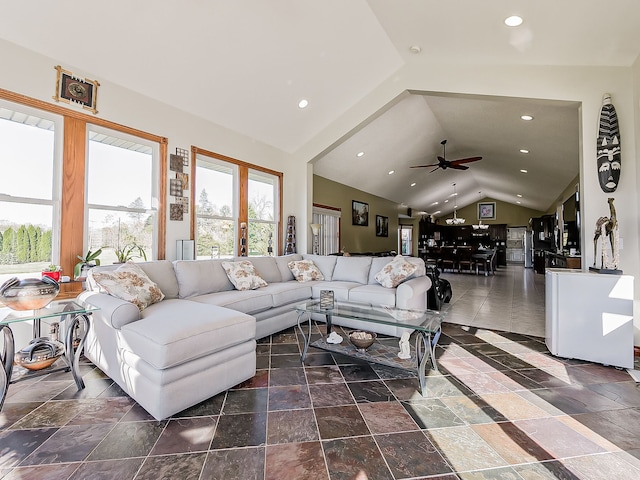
{"points": [[284, 293], [283, 266], [373, 294], [340, 289], [176, 331], [245, 301], [266, 268], [201, 277], [352, 269], [162, 272]]}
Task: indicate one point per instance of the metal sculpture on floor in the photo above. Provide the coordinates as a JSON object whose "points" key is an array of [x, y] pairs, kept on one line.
{"points": [[607, 227]]}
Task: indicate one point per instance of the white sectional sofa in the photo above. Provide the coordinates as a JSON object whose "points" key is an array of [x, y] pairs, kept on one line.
{"points": [[200, 339]]}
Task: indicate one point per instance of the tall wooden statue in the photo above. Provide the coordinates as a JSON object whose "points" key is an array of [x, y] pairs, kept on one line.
{"points": [[607, 227], [608, 148]]}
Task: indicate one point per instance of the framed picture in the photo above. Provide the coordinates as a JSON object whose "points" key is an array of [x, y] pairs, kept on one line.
{"points": [[359, 213], [487, 211], [73, 90], [382, 226]]}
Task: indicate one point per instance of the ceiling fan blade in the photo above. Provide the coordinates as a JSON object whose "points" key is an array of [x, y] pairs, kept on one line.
{"points": [[465, 160], [459, 167], [425, 166], [437, 168]]}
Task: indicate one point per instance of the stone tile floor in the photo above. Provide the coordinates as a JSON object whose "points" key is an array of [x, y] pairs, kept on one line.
{"points": [[500, 407]]}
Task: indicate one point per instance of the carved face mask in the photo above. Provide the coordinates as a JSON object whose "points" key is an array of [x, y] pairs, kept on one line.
{"points": [[609, 162]]}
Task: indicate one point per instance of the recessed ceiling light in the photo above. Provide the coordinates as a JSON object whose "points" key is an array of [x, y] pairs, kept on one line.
{"points": [[523, 171], [391, 172], [435, 203], [526, 117], [436, 212], [519, 196], [523, 150], [518, 201], [446, 201], [303, 103], [513, 21], [359, 154], [413, 184], [415, 49]]}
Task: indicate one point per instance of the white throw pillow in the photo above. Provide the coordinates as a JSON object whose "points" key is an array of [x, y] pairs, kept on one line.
{"points": [[395, 272], [305, 270], [129, 282], [243, 275]]}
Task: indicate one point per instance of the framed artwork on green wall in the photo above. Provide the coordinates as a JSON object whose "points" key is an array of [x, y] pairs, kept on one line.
{"points": [[360, 213], [487, 211], [382, 226]]}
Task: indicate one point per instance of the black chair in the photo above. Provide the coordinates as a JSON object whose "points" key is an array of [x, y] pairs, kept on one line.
{"points": [[465, 260]]}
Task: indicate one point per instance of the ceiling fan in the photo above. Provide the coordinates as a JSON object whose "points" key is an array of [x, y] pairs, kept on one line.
{"points": [[444, 164]]}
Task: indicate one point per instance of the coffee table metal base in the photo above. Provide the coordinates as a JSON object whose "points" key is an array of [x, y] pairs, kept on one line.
{"points": [[379, 353]]}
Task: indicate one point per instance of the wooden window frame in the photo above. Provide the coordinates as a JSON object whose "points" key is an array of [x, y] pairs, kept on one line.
{"points": [[72, 199], [243, 177]]}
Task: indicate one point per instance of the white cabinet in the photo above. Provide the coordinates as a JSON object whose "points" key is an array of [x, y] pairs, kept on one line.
{"points": [[589, 316]]}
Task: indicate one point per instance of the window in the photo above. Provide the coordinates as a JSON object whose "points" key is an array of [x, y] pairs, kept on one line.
{"points": [[216, 192], [329, 220], [263, 217], [122, 179], [29, 190], [228, 193]]}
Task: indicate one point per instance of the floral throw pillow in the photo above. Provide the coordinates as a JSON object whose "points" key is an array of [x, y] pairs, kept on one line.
{"points": [[305, 270], [129, 282], [395, 272], [243, 275]]}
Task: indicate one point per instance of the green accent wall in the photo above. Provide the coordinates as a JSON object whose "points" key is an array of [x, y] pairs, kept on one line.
{"points": [[356, 238], [512, 215]]}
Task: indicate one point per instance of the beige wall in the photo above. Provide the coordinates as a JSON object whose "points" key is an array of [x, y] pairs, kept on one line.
{"points": [[356, 238]]}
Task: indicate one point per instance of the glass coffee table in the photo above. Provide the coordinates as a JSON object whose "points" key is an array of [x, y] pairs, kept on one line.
{"points": [[427, 325], [71, 316]]}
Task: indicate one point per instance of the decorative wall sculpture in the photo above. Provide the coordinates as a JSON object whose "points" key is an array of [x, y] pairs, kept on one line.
{"points": [[608, 148]]}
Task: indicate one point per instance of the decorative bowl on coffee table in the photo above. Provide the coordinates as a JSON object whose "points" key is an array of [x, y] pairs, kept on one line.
{"points": [[362, 339]]}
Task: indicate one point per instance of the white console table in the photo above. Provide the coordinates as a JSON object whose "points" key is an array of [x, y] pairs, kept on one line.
{"points": [[589, 316]]}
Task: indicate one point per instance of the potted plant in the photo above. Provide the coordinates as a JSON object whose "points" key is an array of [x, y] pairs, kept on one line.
{"points": [[89, 260], [129, 252], [53, 272]]}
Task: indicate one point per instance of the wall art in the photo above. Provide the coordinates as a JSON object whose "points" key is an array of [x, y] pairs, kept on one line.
{"points": [[359, 213], [75, 90]]}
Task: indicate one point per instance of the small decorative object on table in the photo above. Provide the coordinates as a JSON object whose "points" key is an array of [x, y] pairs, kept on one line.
{"points": [[405, 348], [29, 293], [361, 339], [52, 271], [326, 299], [40, 353]]}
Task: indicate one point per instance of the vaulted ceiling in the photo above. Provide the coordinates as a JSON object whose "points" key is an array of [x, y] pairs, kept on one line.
{"points": [[246, 64]]}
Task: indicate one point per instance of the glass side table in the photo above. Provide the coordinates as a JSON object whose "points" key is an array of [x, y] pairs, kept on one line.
{"points": [[71, 316]]}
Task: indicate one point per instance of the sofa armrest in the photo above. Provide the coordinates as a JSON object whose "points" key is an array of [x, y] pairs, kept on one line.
{"points": [[113, 311], [412, 294]]}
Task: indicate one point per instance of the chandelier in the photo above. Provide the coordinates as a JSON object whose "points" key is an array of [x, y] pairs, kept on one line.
{"points": [[455, 220], [480, 226]]}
